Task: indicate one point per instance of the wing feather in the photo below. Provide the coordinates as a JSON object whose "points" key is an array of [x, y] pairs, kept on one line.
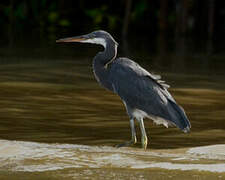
{"points": [[142, 90], [141, 71]]}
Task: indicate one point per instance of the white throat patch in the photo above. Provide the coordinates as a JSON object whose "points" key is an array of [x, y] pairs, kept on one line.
{"points": [[100, 41]]}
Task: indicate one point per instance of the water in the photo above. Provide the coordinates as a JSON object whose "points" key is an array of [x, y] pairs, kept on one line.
{"points": [[69, 161], [57, 122]]}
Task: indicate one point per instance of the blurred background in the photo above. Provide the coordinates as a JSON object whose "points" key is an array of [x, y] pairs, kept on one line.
{"points": [[184, 27], [48, 91]]}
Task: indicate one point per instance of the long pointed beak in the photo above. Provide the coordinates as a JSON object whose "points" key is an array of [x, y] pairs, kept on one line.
{"points": [[73, 39]]}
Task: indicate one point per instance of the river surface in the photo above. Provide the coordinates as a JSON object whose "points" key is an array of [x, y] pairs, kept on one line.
{"points": [[57, 122]]}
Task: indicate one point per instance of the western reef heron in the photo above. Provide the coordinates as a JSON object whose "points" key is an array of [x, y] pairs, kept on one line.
{"points": [[143, 94]]}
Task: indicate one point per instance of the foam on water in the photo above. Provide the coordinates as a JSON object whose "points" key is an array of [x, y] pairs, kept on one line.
{"points": [[210, 152], [39, 157]]}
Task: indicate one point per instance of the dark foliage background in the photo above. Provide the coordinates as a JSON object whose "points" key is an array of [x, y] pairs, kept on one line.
{"points": [[158, 26]]}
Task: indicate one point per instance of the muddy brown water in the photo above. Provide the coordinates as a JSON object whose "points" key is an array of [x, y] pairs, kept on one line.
{"points": [[59, 101]]}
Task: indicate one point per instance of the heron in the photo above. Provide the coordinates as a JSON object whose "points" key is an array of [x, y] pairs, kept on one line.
{"points": [[144, 94]]}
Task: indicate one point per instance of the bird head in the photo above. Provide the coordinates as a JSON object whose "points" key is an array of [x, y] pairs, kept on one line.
{"points": [[97, 37]]}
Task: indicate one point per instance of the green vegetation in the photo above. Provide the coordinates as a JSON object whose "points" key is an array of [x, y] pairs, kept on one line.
{"points": [[163, 21]]}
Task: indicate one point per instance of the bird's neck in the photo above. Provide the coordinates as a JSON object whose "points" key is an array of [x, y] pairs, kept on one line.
{"points": [[101, 65]]}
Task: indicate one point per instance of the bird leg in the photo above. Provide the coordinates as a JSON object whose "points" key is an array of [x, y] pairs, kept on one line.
{"points": [[133, 133], [144, 139]]}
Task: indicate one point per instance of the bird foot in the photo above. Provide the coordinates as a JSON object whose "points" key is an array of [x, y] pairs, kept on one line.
{"points": [[144, 142], [127, 143]]}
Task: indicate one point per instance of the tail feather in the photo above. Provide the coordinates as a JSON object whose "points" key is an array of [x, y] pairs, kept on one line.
{"points": [[178, 117]]}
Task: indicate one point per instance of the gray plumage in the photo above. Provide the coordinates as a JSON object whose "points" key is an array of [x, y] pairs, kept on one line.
{"points": [[142, 90], [144, 94]]}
